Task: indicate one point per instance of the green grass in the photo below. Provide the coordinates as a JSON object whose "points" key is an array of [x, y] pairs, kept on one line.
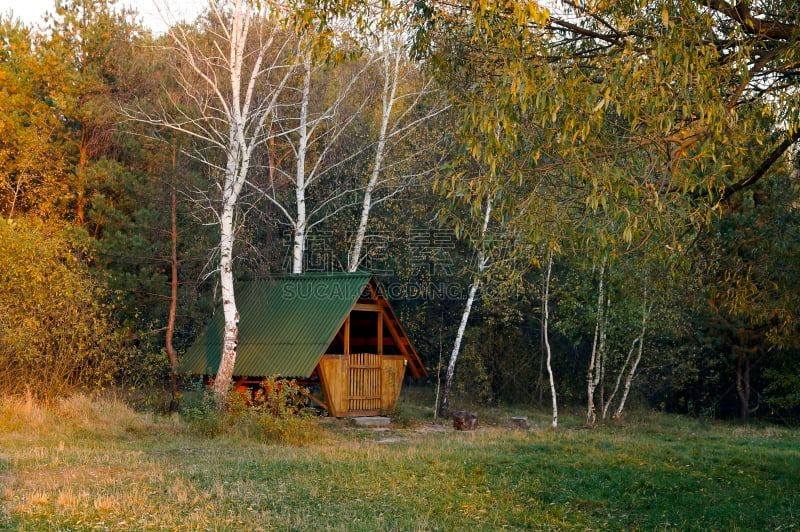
{"points": [[93, 465]]}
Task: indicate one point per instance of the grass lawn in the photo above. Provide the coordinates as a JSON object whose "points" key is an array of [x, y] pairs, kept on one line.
{"points": [[98, 465]]}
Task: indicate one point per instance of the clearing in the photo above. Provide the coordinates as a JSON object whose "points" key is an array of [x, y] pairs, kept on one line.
{"points": [[91, 464]]}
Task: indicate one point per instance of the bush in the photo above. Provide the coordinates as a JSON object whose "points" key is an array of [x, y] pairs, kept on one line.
{"points": [[283, 413], [55, 330], [275, 413]]}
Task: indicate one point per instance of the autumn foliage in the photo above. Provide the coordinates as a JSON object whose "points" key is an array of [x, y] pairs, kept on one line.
{"points": [[56, 333]]}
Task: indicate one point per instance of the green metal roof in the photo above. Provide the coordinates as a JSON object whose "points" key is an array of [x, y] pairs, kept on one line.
{"points": [[286, 324]]}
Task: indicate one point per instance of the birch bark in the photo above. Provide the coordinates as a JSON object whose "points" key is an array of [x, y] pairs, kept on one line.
{"points": [[629, 379], [391, 71], [597, 350], [444, 406], [301, 221], [545, 328]]}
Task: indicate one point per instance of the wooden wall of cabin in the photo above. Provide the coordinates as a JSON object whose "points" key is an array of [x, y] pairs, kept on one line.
{"points": [[392, 373], [364, 331], [333, 373], [334, 376]]}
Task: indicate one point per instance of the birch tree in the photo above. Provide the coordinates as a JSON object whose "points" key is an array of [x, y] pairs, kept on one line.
{"points": [[399, 116], [646, 311], [483, 261], [390, 70], [326, 130], [613, 326], [546, 333], [598, 349], [232, 70], [309, 135]]}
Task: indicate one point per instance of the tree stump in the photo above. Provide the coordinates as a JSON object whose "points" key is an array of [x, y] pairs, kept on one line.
{"points": [[465, 420], [520, 423]]}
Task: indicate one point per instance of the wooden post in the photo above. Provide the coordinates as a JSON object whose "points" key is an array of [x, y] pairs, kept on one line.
{"points": [[380, 333], [382, 404], [348, 373], [347, 336]]}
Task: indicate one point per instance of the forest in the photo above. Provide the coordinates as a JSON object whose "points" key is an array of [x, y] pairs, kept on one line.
{"points": [[583, 204]]}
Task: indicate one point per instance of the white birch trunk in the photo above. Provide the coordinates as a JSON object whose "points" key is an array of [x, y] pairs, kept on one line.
{"points": [[594, 363], [235, 171], [298, 249], [607, 404], [230, 116], [545, 328], [602, 352], [391, 70], [473, 289], [632, 373], [231, 334]]}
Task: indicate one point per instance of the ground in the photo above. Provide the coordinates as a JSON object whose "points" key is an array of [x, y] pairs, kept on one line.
{"points": [[89, 464]]}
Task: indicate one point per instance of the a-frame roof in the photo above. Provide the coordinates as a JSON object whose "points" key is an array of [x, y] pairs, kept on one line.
{"points": [[286, 324]]}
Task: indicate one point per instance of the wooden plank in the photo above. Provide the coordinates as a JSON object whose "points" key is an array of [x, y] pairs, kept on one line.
{"points": [[357, 413], [365, 397], [316, 400], [368, 307]]}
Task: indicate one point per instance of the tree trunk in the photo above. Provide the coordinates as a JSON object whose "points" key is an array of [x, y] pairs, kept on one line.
{"points": [[743, 383], [444, 406], [231, 82], [542, 348], [610, 400], [632, 373], [80, 195], [231, 336], [594, 364], [300, 225], [237, 166], [173, 297], [547, 339], [602, 358], [390, 74]]}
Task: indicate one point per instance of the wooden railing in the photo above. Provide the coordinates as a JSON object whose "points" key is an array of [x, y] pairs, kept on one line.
{"points": [[365, 382]]}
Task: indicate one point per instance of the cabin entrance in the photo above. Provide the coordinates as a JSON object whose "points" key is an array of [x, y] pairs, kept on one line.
{"points": [[365, 382]]}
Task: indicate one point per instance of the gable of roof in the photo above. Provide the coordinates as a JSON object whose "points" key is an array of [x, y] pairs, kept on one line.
{"points": [[286, 325]]}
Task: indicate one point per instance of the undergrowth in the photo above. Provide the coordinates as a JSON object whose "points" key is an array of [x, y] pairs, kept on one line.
{"points": [[275, 413]]}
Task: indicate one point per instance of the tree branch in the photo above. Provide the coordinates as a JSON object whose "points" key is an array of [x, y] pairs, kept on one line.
{"points": [[741, 14], [762, 169]]}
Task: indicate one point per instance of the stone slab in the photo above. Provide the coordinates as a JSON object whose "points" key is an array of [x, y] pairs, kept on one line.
{"points": [[371, 421]]}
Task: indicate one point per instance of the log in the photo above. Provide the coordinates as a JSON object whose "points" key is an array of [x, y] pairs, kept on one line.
{"points": [[520, 423], [465, 420]]}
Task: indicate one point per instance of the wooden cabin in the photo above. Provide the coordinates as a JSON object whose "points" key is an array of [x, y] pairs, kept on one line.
{"points": [[337, 330]]}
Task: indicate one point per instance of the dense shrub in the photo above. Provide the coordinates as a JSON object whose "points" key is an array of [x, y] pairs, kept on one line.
{"points": [[55, 330]]}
